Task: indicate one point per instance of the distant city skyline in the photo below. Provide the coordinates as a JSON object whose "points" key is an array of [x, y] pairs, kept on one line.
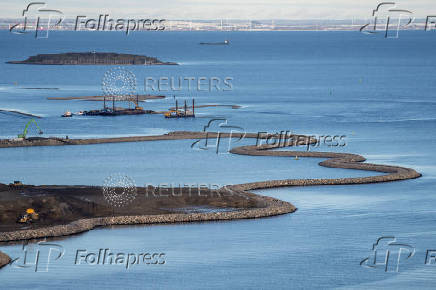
{"points": [[222, 9]]}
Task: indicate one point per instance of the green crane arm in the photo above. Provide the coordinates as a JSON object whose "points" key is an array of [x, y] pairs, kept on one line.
{"points": [[26, 129]]}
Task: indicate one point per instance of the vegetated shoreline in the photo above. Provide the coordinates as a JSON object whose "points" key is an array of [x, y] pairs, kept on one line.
{"points": [[274, 206], [91, 58]]}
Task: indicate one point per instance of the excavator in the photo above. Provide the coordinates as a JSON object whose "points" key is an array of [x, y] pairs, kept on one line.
{"points": [[16, 184], [176, 113], [28, 217], [26, 129], [135, 101]]}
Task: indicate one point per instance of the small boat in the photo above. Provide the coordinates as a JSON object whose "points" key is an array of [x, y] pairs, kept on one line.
{"points": [[67, 114], [226, 42]]}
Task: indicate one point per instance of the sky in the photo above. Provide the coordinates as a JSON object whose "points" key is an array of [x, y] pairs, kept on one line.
{"points": [[220, 9]]}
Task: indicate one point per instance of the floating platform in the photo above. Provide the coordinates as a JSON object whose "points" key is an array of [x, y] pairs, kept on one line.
{"points": [[179, 115], [176, 113], [117, 112]]}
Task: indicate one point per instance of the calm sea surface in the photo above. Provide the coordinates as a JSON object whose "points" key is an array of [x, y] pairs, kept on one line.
{"points": [[379, 93]]}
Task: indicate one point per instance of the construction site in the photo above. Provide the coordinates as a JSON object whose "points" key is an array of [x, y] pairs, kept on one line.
{"points": [[185, 113], [23, 136], [110, 108], [117, 111]]}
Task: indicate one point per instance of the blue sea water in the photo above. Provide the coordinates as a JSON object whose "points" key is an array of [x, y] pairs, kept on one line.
{"points": [[377, 92]]}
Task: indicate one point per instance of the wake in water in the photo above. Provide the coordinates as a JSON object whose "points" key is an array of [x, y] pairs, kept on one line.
{"points": [[19, 113]]}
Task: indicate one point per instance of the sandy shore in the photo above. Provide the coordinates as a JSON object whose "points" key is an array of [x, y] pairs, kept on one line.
{"points": [[273, 206], [4, 259]]}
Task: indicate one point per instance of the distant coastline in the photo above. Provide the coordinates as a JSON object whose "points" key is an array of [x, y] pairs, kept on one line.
{"points": [[254, 25]]}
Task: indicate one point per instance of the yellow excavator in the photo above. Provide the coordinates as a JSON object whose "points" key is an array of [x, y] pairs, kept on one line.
{"points": [[135, 101], [176, 113], [16, 184], [28, 217], [173, 114]]}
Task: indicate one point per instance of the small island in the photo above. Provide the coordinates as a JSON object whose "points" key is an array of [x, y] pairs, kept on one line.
{"points": [[91, 58]]}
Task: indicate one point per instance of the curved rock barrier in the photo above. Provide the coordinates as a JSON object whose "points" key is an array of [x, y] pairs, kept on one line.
{"points": [[335, 160], [272, 206]]}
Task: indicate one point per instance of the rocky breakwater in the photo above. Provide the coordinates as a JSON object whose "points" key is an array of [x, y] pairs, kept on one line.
{"points": [[267, 207], [334, 160]]}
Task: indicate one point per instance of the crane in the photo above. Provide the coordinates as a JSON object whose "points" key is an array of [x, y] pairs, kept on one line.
{"points": [[135, 101], [26, 129]]}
